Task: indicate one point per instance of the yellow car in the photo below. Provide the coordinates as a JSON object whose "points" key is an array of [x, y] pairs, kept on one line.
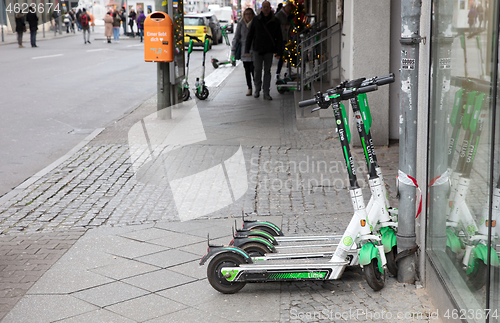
{"points": [[196, 25]]}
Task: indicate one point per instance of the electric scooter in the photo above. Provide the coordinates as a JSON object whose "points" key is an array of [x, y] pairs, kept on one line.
{"points": [[230, 268], [379, 211], [230, 59], [201, 90], [185, 85], [462, 228]]}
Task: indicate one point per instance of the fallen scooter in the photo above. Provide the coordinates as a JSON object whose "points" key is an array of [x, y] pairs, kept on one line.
{"points": [[230, 59]]}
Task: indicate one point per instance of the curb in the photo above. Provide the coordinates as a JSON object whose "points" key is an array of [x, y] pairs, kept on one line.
{"points": [[49, 168]]}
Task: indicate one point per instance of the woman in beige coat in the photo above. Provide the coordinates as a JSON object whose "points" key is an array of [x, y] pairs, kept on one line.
{"points": [[108, 26]]}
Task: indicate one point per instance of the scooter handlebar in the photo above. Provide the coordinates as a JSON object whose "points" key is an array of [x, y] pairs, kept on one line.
{"points": [[306, 103], [363, 89], [194, 38], [380, 80]]}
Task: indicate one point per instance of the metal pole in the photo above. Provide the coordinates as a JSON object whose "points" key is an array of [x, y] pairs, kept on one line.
{"points": [[163, 106], [410, 39], [2, 11]]}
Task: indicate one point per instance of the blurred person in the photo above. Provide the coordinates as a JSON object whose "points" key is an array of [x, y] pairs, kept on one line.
{"points": [[240, 36], [284, 17], [116, 26], [123, 18], [131, 19], [20, 28], [140, 24], [472, 16], [78, 16], [265, 37], [85, 22], [32, 19], [108, 26]]}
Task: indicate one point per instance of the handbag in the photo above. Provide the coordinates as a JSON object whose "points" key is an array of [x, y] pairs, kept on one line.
{"points": [[237, 51]]}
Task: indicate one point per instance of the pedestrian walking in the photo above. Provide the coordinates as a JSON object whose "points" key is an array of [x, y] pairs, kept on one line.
{"points": [[480, 14], [32, 20], [67, 21], [239, 40], [72, 17], [85, 22], [131, 20], [265, 37], [140, 24], [55, 16], [108, 26], [116, 26], [123, 18], [20, 28], [472, 19], [78, 17], [284, 17]]}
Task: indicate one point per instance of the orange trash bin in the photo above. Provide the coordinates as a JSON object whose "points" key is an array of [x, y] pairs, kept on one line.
{"points": [[158, 38]]}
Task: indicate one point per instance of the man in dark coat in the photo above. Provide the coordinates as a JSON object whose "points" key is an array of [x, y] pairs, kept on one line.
{"points": [[20, 26], [266, 39], [32, 19]]}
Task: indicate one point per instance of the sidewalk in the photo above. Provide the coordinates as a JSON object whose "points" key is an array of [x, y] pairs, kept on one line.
{"points": [[98, 237]]}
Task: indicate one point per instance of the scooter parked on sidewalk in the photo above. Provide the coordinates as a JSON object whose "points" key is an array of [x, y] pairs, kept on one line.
{"points": [[201, 90], [185, 84], [382, 218], [230, 268], [230, 59], [466, 239]]}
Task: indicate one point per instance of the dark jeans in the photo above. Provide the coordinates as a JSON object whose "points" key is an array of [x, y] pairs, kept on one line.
{"points": [[33, 38], [20, 38], [248, 73], [260, 62]]}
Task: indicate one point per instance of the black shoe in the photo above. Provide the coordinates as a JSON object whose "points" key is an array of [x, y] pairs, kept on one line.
{"points": [[88, 41]]}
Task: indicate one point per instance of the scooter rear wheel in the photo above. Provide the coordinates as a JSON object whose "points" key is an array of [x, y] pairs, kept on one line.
{"points": [[215, 63], [266, 230], [391, 264], [203, 94], [373, 276], [254, 249], [217, 279], [278, 83], [185, 94]]}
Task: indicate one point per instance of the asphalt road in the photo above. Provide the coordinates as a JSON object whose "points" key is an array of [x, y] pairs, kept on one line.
{"points": [[53, 96]]}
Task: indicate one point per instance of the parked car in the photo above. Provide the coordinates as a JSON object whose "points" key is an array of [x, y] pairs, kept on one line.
{"points": [[226, 17], [214, 24], [199, 26]]}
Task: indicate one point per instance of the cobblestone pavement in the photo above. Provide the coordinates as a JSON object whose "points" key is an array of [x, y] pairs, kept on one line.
{"points": [[112, 181]]}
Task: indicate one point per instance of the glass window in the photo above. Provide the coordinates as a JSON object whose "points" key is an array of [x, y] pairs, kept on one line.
{"points": [[190, 21], [461, 154]]}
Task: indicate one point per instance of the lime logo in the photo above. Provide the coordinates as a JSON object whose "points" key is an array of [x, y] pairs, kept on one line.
{"points": [[347, 241], [195, 178], [339, 122], [471, 229]]}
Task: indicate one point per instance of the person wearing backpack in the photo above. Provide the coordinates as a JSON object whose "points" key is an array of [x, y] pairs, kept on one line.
{"points": [[85, 22], [140, 24]]}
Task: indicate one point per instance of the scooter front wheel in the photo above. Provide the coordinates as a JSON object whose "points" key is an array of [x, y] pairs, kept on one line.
{"points": [[477, 278], [203, 94], [373, 276], [185, 94], [217, 279]]}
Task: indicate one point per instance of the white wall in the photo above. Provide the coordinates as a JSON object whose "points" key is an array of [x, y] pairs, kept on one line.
{"points": [[366, 53]]}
